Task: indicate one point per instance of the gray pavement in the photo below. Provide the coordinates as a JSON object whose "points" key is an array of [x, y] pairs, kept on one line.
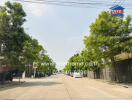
{"points": [[60, 87]]}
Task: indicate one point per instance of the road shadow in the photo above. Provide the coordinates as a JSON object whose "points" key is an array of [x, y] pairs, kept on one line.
{"points": [[29, 84]]}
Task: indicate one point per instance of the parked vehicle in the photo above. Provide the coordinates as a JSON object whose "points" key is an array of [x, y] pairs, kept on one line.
{"points": [[77, 75]]}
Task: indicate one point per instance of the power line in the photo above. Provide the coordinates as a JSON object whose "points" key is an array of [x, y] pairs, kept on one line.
{"points": [[64, 2], [50, 3], [72, 3], [115, 2], [60, 4], [122, 2], [58, 1], [119, 3]]}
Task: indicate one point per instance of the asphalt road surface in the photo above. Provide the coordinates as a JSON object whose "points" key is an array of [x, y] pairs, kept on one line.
{"points": [[60, 87]]}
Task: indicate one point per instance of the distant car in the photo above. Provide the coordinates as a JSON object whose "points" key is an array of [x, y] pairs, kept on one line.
{"points": [[77, 75]]}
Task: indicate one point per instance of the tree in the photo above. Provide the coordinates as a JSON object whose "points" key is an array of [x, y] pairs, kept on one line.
{"points": [[110, 36], [17, 47], [12, 17]]}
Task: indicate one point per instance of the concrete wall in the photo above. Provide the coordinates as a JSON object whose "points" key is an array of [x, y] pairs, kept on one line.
{"points": [[122, 72]]}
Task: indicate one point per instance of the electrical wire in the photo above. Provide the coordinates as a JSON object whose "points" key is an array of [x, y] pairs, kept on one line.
{"points": [[88, 4], [64, 2], [123, 1]]}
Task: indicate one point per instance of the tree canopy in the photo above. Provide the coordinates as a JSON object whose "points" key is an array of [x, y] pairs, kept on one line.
{"points": [[108, 37], [18, 48]]}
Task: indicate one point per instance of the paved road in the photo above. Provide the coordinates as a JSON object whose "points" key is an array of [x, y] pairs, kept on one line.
{"points": [[62, 87]]}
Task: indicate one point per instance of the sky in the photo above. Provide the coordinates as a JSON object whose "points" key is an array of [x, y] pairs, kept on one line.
{"points": [[60, 29]]}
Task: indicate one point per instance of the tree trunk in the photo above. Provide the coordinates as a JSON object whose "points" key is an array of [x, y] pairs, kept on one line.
{"points": [[113, 71]]}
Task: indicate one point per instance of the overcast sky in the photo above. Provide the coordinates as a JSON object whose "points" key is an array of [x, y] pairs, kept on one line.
{"points": [[60, 29]]}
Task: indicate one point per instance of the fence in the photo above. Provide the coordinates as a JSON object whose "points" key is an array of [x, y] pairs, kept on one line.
{"points": [[122, 72]]}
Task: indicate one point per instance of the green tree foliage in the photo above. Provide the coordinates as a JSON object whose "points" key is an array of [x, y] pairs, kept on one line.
{"points": [[108, 37], [46, 65], [74, 63], [17, 47], [12, 35]]}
